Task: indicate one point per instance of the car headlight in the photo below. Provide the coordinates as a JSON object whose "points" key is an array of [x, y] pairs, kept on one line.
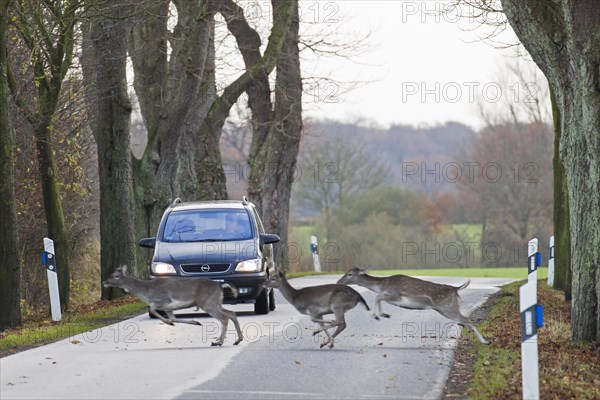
{"points": [[248, 266], [160, 268]]}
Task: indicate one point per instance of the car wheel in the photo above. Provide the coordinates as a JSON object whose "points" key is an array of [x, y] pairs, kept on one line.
{"points": [[272, 304], [262, 303]]}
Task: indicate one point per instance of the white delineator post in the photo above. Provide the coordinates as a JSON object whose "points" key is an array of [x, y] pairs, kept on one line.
{"points": [[551, 263], [314, 249], [531, 319], [48, 260]]}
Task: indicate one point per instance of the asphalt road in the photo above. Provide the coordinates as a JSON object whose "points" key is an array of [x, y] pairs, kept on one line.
{"points": [[405, 357]]}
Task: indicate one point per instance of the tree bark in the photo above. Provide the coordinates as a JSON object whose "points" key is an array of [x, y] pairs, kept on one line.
{"points": [[105, 39], [174, 92], [273, 158], [10, 262], [55, 219], [562, 238], [563, 38]]}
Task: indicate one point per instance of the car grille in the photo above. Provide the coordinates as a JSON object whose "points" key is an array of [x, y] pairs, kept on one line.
{"points": [[204, 268]]}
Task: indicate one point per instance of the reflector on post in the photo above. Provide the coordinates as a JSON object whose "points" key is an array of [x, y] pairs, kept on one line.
{"points": [[314, 249], [531, 319], [551, 263], [48, 260]]}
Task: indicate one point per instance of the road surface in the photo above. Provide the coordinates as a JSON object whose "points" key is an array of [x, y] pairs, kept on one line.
{"points": [[405, 357]]}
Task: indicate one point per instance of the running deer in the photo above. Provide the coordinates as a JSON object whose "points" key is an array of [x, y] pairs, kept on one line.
{"points": [[175, 293], [413, 294], [317, 301]]}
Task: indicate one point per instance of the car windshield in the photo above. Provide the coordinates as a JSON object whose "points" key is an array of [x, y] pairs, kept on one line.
{"points": [[207, 225]]}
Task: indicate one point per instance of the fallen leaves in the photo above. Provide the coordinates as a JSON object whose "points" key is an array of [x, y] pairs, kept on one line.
{"points": [[567, 370]]}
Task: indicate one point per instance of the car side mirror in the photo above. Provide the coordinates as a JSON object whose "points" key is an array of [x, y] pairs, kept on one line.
{"points": [[147, 242], [269, 238]]}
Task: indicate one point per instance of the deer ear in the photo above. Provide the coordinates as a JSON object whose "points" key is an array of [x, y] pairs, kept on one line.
{"points": [[362, 271], [122, 268]]}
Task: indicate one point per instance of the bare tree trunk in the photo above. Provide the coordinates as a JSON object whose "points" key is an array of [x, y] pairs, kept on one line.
{"points": [[105, 68], [208, 168], [273, 159], [562, 238], [10, 262], [563, 38], [55, 219], [174, 95]]}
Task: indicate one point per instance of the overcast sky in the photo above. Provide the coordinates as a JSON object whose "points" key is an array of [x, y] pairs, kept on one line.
{"points": [[425, 68]]}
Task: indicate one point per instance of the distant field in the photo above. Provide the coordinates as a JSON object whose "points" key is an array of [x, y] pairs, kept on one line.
{"points": [[467, 232], [517, 273], [463, 232]]}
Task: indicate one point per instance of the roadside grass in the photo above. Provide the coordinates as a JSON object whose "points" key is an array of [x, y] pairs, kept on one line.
{"points": [[567, 370], [38, 331]]}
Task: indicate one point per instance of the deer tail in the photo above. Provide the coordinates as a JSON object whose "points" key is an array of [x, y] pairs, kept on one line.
{"points": [[233, 289], [464, 285]]}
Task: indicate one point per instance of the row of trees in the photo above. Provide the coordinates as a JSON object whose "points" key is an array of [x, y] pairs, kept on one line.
{"points": [[172, 49]]}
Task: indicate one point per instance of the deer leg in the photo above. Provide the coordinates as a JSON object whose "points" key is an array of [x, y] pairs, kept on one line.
{"points": [[322, 324], [224, 323], [224, 316], [340, 324], [457, 316], [378, 300], [329, 339], [323, 327], [479, 336], [173, 318], [233, 317], [163, 319]]}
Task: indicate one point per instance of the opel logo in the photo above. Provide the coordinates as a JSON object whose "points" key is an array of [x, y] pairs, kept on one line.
{"points": [[205, 268]]}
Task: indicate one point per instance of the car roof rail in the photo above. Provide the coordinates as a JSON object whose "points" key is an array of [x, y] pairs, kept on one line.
{"points": [[244, 200], [175, 202]]}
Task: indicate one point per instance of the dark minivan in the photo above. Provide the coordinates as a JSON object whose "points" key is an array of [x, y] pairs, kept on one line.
{"points": [[221, 240]]}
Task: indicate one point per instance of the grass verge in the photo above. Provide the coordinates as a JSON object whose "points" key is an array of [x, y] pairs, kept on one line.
{"points": [[39, 331], [567, 370]]}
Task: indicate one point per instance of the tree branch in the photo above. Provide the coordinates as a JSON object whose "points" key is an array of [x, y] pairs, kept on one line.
{"points": [[262, 67], [248, 40]]}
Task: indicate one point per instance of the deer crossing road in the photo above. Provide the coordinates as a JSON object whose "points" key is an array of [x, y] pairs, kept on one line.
{"points": [[405, 357]]}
